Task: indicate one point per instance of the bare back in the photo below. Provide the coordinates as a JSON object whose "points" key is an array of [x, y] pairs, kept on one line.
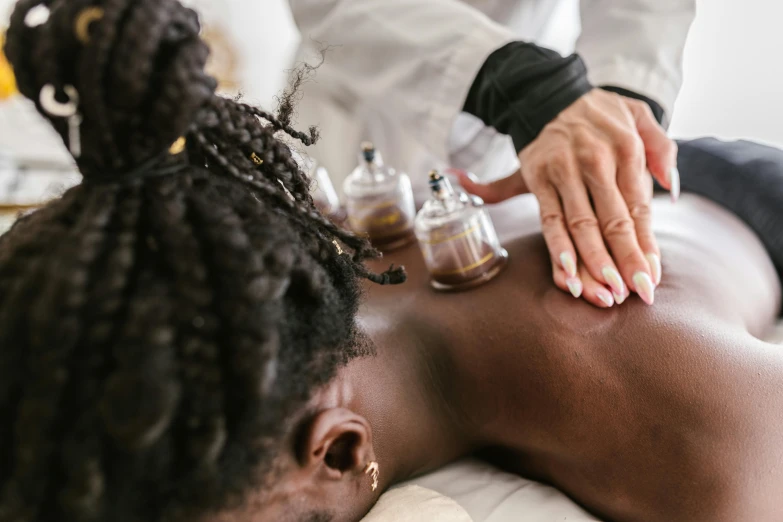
{"points": [[670, 412]]}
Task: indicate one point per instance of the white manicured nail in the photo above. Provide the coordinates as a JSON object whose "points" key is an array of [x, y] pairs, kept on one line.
{"points": [[619, 298], [605, 296], [674, 183], [613, 279], [568, 264], [644, 287], [655, 267], [574, 286]]}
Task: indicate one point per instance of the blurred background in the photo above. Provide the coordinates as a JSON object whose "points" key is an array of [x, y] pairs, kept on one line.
{"points": [[733, 75]]}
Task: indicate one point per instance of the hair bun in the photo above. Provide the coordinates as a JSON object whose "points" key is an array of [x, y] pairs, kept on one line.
{"points": [[137, 66]]}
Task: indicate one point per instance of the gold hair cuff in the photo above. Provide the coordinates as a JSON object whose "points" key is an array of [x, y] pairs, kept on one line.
{"points": [[84, 20], [256, 159], [178, 146], [7, 80]]}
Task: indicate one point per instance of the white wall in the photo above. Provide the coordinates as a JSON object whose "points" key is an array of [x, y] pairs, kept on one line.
{"points": [[266, 35], [263, 29], [733, 72]]}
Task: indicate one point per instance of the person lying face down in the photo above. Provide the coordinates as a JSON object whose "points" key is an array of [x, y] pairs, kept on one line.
{"points": [[184, 337], [661, 413]]}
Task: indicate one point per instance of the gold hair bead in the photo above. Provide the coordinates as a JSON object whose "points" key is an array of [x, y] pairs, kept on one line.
{"points": [[7, 80], [178, 146], [256, 159], [83, 22], [338, 247]]}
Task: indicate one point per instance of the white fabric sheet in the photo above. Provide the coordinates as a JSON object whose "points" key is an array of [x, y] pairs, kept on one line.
{"points": [[491, 495]]}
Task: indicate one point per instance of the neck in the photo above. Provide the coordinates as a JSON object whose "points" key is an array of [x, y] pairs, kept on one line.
{"points": [[397, 391]]}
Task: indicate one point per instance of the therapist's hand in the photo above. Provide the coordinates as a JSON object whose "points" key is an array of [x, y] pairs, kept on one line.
{"points": [[589, 170]]}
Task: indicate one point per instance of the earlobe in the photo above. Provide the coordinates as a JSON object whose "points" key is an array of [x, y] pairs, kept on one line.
{"points": [[338, 442]]}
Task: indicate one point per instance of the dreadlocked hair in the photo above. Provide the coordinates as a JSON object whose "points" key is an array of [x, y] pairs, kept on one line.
{"points": [[161, 322]]}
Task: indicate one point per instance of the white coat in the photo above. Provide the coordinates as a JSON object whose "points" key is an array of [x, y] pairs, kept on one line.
{"points": [[397, 72]]}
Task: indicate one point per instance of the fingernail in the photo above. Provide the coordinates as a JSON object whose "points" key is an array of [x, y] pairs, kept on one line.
{"points": [[644, 287], [614, 280], [619, 298], [605, 296], [574, 286], [568, 264], [472, 177], [674, 183], [655, 267]]}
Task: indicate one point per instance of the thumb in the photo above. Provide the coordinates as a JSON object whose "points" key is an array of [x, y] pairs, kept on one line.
{"points": [[660, 150], [495, 191]]}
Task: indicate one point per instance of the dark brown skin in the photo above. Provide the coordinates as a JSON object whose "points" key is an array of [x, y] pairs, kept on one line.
{"points": [[666, 413]]}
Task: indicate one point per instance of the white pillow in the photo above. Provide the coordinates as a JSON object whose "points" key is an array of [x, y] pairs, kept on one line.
{"points": [[416, 504], [491, 495]]}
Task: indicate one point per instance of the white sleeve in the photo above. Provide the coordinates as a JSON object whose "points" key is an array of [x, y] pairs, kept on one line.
{"points": [[636, 45], [412, 59]]}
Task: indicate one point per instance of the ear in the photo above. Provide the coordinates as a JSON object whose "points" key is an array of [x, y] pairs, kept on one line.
{"points": [[337, 443]]}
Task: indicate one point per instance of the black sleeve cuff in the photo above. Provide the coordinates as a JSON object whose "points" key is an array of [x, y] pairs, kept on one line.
{"points": [[657, 110], [522, 87]]}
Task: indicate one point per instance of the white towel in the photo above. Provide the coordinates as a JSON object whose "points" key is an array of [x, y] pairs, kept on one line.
{"points": [[416, 504]]}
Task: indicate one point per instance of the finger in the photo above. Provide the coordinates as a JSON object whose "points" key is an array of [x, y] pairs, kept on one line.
{"points": [[619, 232], [636, 189], [572, 285], [584, 286], [582, 224], [554, 229], [495, 191], [641, 214], [599, 165], [595, 292], [661, 151], [615, 229]]}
